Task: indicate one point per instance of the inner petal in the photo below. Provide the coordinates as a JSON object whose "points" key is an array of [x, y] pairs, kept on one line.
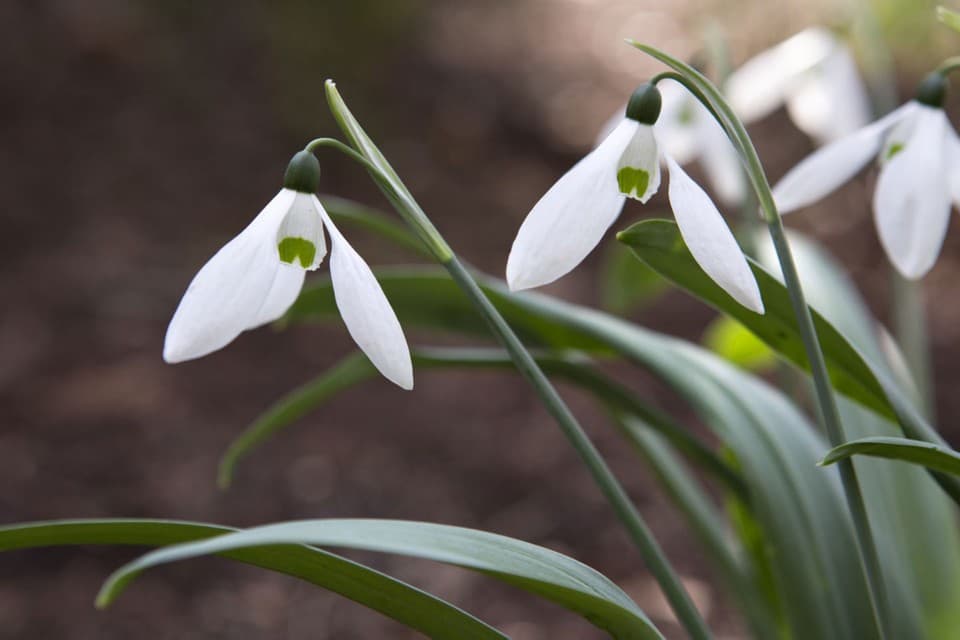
{"points": [[300, 236], [638, 170]]}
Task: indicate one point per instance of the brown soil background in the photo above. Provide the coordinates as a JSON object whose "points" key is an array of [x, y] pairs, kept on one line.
{"points": [[136, 138]]}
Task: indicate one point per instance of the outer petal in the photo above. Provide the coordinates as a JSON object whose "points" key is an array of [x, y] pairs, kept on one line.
{"points": [[825, 170], [912, 200], [283, 292], [366, 311], [760, 86], [830, 100], [571, 218], [710, 241], [227, 294]]}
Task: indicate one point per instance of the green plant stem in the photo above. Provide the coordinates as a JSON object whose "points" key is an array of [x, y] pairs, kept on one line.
{"points": [[828, 412], [910, 327], [636, 527], [410, 211]]}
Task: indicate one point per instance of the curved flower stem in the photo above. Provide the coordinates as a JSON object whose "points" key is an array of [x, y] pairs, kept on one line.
{"points": [[949, 65], [408, 208], [828, 412]]}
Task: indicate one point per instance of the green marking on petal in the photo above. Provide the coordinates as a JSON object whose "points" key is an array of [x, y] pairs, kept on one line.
{"points": [[893, 150], [292, 248], [633, 182]]}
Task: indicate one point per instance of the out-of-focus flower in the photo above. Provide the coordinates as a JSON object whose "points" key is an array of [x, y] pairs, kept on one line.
{"points": [[572, 217], [919, 180], [258, 275], [687, 132], [814, 75]]}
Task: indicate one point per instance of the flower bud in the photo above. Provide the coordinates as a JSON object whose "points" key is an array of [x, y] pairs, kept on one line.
{"points": [[933, 90], [644, 105], [303, 173]]}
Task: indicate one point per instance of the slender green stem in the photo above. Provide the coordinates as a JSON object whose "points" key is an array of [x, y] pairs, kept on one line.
{"points": [[910, 327], [636, 527], [396, 192], [829, 414], [949, 65]]}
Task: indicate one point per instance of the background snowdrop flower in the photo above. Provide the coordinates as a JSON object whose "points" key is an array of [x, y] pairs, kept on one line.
{"points": [[918, 153], [572, 217], [814, 75], [687, 132], [258, 275]]}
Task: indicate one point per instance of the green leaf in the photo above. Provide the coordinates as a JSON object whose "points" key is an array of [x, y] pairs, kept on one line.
{"points": [[356, 369], [626, 283], [949, 18], [800, 510], [292, 407], [734, 342], [541, 571], [400, 601], [925, 454], [660, 245]]}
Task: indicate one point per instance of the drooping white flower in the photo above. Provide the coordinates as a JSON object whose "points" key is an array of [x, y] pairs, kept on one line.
{"points": [[687, 133], [919, 155], [814, 75], [258, 275], [572, 217]]}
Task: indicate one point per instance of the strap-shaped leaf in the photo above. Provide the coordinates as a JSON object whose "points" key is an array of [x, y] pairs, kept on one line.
{"points": [[660, 245], [925, 454], [402, 602], [541, 571]]}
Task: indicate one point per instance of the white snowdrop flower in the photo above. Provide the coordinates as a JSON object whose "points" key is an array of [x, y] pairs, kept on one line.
{"points": [[814, 75], [572, 217], [258, 275], [687, 133], [919, 155]]}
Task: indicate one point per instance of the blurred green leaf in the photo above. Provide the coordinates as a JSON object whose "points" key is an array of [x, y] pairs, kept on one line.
{"points": [[660, 245], [626, 283], [347, 211], [546, 573], [732, 341], [949, 18], [806, 532], [404, 603], [356, 369], [921, 453]]}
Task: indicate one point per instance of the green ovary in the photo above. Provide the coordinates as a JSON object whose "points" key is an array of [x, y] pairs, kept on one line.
{"points": [[292, 248], [633, 181]]}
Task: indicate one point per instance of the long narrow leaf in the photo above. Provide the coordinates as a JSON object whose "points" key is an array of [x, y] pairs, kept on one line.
{"points": [[541, 571], [404, 603], [925, 454]]}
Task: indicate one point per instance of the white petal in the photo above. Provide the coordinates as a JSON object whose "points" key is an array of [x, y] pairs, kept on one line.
{"points": [[912, 201], [283, 292], [952, 163], [830, 101], [227, 294], [721, 162], [679, 122], [571, 218], [710, 240], [826, 169], [761, 84], [366, 312], [640, 158], [303, 223]]}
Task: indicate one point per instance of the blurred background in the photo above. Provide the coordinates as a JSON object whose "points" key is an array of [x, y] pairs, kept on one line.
{"points": [[137, 137]]}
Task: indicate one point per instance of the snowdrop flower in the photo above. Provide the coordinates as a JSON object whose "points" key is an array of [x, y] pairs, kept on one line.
{"points": [[687, 132], [918, 153], [814, 75], [258, 275], [572, 217]]}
